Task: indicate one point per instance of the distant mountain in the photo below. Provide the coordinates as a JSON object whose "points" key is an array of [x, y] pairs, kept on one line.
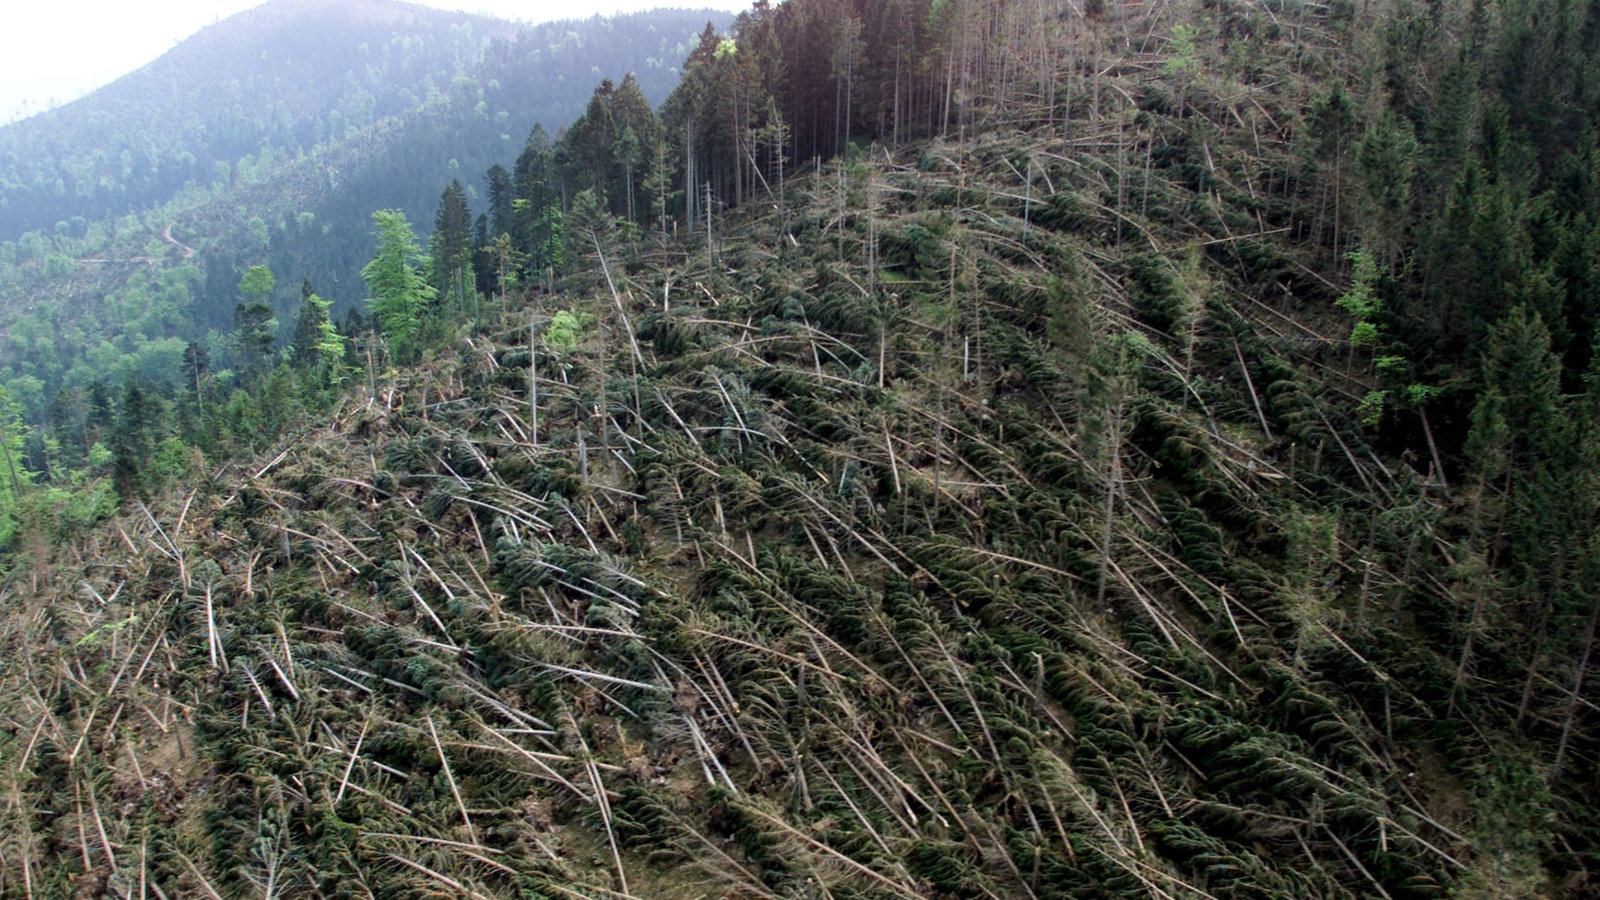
{"points": [[270, 138], [456, 129], [290, 75]]}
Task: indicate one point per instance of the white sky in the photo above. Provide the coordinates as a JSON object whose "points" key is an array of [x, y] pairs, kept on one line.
{"points": [[54, 51]]}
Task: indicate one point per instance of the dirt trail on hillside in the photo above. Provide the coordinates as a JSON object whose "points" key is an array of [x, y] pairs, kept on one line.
{"points": [[184, 249]]}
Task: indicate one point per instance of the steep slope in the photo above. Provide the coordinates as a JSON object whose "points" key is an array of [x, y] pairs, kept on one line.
{"points": [[990, 590], [1005, 513]]}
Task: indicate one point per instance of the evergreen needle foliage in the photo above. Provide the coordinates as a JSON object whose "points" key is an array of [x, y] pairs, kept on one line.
{"points": [[936, 456]]}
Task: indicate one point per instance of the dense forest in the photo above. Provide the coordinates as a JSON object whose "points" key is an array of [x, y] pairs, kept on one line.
{"points": [[935, 448], [122, 290], [317, 74]]}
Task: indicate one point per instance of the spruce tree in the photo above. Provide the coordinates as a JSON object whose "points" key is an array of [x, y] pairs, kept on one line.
{"points": [[318, 346], [482, 258], [399, 294], [255, 330], [590, 142], [307, 330], [130, 441], [637, 131], [537, 207], [97, 417], [450, 246], [502, 191]]}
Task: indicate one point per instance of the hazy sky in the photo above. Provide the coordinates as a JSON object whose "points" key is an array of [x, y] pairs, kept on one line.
{"points": [[53, 51]]}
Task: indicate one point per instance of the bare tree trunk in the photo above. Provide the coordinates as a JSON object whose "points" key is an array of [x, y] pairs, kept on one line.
{"points": [[1577, 696], [778, 147], [1433, 448], [1338, 192], [629, 178], [603, 410], [661, 183], [872, 230], [1122, 173], [849, 74], [838, 107], [711, 250], [1113, 487], [895, 141], [949, 88], [636, 357], [1466, 648], [1047, 74], [1526, 706], [533, 381], [883, 346], [690, 177]]}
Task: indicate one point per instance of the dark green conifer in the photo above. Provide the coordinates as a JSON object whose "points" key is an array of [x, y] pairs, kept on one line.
{"points": [[450, 248], [255, 329]]}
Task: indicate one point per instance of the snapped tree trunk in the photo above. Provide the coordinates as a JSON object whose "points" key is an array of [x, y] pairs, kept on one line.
{"points": [[533, 382], [1575, 701]]}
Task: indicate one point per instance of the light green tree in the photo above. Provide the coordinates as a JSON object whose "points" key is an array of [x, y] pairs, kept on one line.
{"points": [[566, 330], [399, 295], [13, 476], [256, 330], [318, 344]]}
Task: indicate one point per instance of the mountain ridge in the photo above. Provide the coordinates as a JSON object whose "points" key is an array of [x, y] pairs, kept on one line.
{"points": [[299, 173], [145, 125]]}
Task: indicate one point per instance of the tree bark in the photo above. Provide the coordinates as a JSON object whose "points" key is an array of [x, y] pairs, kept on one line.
{"points": [[1577, 695]]}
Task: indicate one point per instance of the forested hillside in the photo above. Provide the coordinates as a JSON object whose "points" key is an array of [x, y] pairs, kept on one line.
{"points": [[293, 75], [316, 71], [352, 108], [946, 448]]}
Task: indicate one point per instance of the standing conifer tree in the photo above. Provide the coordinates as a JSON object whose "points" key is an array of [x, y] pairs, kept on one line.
{"points": [[303, 346], [399, 294], [502, 191], [318, 345], [255, 328], [482, 259], [637, 132], [130, 441], [14, 475], [536, 211], [450, 246]]}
